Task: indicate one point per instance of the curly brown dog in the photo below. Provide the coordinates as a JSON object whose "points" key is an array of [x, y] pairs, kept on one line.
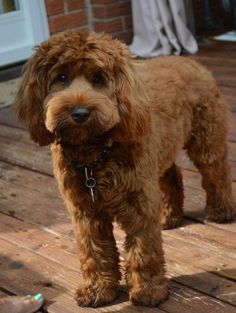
{"points": [[115, 126]]}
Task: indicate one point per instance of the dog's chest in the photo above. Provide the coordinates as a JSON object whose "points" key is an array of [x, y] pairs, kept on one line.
{"points": [[110, 185], [109, 181], [112, 188]]}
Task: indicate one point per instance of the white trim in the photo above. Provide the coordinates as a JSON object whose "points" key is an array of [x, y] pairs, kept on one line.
{"points": [[11, 17], [16, 55], [33, 16], [36, 12]]}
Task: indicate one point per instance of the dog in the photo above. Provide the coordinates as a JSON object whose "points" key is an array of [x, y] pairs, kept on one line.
{"points": [[115, 125]]}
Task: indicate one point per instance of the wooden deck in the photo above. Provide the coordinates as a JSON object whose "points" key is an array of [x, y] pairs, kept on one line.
{"points": [[37, 246]]}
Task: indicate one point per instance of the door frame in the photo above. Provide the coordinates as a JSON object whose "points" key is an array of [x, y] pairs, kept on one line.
{"points": [[34, 13]]}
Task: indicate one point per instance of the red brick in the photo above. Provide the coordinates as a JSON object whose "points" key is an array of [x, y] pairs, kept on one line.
{"points": [[75, 4], [72, 20], [54, 6], [128, 21], [102, 1], [112, 10], [108, 26]]}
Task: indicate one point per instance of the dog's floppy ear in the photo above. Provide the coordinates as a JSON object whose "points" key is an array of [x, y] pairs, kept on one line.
{"points": [[28, 104], [135, 121]]}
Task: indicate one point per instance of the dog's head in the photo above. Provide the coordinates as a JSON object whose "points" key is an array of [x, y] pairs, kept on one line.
{"points": [[79, 87]]}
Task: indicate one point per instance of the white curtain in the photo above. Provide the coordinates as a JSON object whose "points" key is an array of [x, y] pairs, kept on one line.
{"points": [[160, 28]]}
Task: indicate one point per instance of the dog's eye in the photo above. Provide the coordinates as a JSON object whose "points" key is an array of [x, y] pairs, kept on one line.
{"points": [[98, 79], [63, 78]]}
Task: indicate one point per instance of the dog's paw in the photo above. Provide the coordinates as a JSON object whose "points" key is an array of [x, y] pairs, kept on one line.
{"points": [[95, 295], [169, 218], [221, 214], [150, 296], [170, 222]]}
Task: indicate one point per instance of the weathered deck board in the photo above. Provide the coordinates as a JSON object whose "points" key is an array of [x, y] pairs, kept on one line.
{"points": [[17, 148], [62, 249], [37, 245], [32, 238], [218, 49], [24, 271], [184, 162], [7, 118], [29, 240], [221, 69]]}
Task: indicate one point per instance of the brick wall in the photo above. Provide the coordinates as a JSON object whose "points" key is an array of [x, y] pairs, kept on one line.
{"points": [[112, 16]]}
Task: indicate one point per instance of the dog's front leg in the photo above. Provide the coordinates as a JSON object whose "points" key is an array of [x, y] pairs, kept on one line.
{"points": [[145, 261], [99, 261]]}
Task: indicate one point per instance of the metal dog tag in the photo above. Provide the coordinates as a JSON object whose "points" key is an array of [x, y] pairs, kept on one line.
{"points": [[90, 183]]}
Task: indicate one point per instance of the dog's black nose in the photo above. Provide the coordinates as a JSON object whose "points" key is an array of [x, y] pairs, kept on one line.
{"points": [[80, 114]]}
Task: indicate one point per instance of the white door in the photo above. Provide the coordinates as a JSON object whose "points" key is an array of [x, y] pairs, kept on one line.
{"points": [[23, 24]]}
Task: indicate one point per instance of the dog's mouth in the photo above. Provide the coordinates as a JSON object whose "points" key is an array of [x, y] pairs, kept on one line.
{"points": [[68, 131], [76, 122], [95, 140]]}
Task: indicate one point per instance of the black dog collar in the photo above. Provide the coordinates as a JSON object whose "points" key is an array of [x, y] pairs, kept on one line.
{"points": [[88, 169], [93, 165]]}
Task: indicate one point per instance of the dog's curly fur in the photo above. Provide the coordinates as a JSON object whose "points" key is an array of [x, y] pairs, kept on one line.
{"points": [[150, 110]]}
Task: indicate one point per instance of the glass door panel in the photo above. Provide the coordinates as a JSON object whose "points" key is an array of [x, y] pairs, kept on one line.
{"points": [[7, 6]]}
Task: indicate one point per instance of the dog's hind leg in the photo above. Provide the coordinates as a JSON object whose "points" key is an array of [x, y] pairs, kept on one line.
{"points": [[207, 148], [172, 198]]}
